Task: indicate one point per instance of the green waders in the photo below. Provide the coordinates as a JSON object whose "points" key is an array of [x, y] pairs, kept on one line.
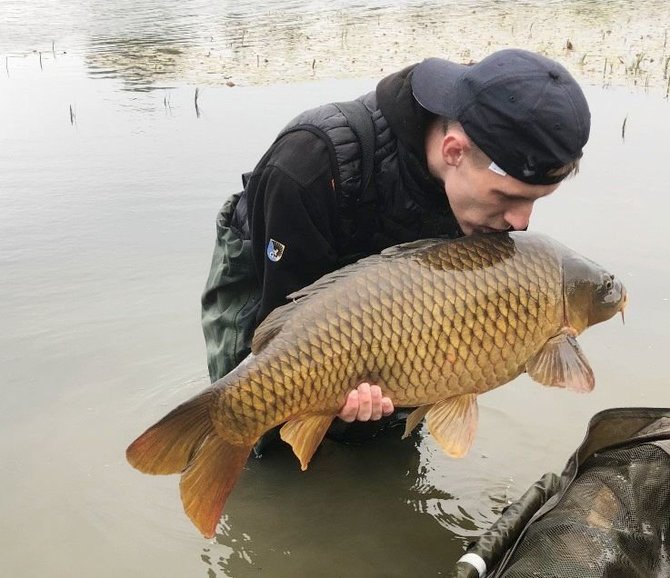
{"points": [[231, 297]]}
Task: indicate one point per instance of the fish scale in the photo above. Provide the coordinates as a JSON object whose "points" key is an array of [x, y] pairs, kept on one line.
{"points": [[434, 323]]}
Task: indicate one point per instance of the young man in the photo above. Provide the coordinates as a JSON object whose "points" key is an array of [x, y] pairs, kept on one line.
{"points": [[458, 150]]}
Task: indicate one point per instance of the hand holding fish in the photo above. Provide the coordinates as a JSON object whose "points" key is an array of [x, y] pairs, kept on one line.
{"points": [[366, 403]]}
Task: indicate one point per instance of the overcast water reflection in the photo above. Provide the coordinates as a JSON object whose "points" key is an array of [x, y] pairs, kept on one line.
{"points": [[110, 180]]}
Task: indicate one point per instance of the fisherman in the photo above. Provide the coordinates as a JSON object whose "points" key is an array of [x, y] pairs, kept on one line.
{"points": [[437, 149]]}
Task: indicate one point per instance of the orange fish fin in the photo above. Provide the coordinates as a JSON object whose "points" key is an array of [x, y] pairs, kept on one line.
{"points": [[561, 363], [453, 423], [209, 479], [167, 446], [414, 419], [305, 433]]}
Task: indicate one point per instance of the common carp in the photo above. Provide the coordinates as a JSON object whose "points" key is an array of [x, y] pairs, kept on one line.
{"points": [[434, 322]]}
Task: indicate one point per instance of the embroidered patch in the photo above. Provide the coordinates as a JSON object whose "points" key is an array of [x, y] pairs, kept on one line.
{"points": [[274, 250]]}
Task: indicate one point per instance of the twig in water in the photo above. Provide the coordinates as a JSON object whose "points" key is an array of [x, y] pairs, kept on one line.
{"points": [[7, 64], [41, 62], [53, 48], [166, 103], [623, 129], [73, 116], [638, 60], [195, 102]]}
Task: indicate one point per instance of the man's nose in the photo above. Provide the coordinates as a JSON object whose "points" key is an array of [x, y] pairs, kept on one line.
{"points": [[519, 217]]}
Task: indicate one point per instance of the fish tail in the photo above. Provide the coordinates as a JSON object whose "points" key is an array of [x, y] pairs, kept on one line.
{"points": [[168, 446], [185, 442], [207, 482]]}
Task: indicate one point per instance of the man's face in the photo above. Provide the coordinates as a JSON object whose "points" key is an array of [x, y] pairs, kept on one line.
{"points": [[486, 202]]}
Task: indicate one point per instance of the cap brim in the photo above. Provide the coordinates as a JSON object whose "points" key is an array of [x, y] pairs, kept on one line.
{"points": [[434, 83]]}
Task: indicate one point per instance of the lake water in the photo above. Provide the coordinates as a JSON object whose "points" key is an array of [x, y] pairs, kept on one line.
{"points": [[110, 181]]}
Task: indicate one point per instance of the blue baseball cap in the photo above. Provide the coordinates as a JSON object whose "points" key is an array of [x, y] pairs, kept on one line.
{"points": [[524, 110]]}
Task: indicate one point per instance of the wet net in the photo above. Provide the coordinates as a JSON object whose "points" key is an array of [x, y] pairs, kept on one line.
{"points": [[613, 521], [606, 516]]}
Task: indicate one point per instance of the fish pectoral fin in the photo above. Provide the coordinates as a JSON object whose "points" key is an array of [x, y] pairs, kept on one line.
{"points": [[562, 363], [414, 419], [208, 480], [304, 434], [453, 423]]}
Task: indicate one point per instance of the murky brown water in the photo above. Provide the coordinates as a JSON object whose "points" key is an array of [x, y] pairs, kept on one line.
{"points": [[109, 186]]}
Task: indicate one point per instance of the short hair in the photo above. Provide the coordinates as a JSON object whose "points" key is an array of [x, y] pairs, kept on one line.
{"points": [[481, 159]]}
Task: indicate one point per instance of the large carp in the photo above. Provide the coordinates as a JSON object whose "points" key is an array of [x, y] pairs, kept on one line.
{"points": [[435, 323]]}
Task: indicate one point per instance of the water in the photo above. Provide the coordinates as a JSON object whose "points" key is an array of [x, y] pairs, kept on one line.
{"points": [[109, 186]]}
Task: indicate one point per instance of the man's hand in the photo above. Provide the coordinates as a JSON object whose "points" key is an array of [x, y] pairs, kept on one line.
{"points": [[366, 403]]}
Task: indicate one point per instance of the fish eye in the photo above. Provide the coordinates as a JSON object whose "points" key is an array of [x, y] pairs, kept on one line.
{"points": [[609, 282]]}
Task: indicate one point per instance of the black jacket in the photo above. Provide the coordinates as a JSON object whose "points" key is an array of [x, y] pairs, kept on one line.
{"points": [[304, 197]]}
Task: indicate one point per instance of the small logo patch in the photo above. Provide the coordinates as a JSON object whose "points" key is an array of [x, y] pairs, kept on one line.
{"points": [[274, 250]]}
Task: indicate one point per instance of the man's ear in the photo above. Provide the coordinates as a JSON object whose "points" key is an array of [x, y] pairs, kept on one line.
{"points": [[454, 146]]}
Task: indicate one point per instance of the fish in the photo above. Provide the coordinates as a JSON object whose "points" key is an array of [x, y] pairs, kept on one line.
{"points": [[435, 323]]}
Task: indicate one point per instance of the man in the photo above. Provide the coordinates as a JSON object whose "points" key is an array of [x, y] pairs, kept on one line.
{"points": [[458, 150]]}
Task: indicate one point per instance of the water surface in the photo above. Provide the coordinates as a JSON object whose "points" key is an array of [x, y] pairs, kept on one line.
{"points": [[110, 181]]}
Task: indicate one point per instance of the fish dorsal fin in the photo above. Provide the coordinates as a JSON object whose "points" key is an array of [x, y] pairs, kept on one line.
{"points": [[304, 434], [414, 418], [273, 323], [394, 252], [453, 423], [406, 249], [561, 363], [270, 326]]}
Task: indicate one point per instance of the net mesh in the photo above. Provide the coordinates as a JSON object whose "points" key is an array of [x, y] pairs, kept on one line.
{"points": [[613, 521]]}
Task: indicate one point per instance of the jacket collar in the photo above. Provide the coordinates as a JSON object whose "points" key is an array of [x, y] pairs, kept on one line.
{"points": [[409, 121]]}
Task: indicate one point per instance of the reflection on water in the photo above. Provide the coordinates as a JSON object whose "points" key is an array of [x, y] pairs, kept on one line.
{"points": [[357, 511], [161, 42], [375, 510]]}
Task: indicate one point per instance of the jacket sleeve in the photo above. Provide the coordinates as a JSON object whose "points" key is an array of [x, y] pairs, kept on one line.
{"points": [[293, 218]]}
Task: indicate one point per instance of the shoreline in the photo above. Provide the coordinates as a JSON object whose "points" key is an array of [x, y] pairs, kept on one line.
{"points": [[616, 43]]}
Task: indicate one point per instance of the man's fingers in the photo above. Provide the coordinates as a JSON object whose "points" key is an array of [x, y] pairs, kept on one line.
{"points": [[350, 410], [364, 402], [376, 402], [387, 406]]}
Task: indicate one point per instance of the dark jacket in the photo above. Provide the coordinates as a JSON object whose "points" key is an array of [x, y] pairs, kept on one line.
{"points": [[304, 199]]}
